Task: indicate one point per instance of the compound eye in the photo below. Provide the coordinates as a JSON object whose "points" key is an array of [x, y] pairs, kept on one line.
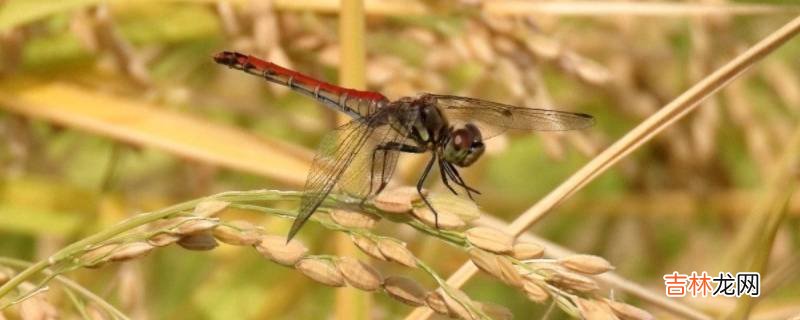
{"points": [[462, 139], [474, 132]]}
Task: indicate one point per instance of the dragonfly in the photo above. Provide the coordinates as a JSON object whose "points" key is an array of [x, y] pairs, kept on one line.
{"points": [[359, 157]]}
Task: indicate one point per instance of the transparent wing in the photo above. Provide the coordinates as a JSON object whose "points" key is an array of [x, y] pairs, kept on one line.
{"points": [[372, 166], [346, 161], [336, 152], [495, 118]]}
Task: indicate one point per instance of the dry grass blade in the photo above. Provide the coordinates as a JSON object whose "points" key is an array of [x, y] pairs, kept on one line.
{"points": [[606, 8], [146, 125], [758, 232], [642, 133]]}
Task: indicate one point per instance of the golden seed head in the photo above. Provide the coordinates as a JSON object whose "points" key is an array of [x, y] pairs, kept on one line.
{"points": [[628, 312], [37, 307], [396, 200], [354, 219], [594, 309], [454, 307], [535, 291], [586, 264], [497, 266], [505, 45], [508, 273], [447, 220], [199, 241], [435, 301], [320, 270], [130, 251], [480, 48], [527, 250], [97, 256], [500, 25], [465, 209], [191, 226], [276, 249], [495, 311], [368, 246], [238, 233], [168, 223], [490, 239], [485, 261], [590, 71], [542, 46], [209, 208], [163, 239], [572, 282], [397, 252], [405, 290], [359, 275]]}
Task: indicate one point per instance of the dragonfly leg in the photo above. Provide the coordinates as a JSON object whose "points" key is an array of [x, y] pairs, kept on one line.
{"points": [[419, 189], [384, 178], [401, 147], [457, 178], [396, 147], [445, 175], [372, 176]]}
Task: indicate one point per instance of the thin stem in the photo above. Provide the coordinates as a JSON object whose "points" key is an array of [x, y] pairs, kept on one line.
{"points": [[769, 214], [131, 223], [71, 285]]}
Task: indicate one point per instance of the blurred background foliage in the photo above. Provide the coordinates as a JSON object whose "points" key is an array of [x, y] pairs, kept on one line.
{"points": [[109, 108]]}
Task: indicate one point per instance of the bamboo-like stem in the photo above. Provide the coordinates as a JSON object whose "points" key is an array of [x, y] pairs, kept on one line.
{"points": [[642, 133], [770, 213], [351, 303]]}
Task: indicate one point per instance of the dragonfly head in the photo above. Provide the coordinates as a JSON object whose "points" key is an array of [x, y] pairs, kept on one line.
{"points": [[464, 146]]}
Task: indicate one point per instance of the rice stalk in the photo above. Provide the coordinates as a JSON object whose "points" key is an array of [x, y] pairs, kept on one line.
{"points": [[565, 281]]}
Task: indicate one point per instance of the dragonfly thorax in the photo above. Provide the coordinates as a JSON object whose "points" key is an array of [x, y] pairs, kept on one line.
{"points": [[460, 145], [463, 146]]}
